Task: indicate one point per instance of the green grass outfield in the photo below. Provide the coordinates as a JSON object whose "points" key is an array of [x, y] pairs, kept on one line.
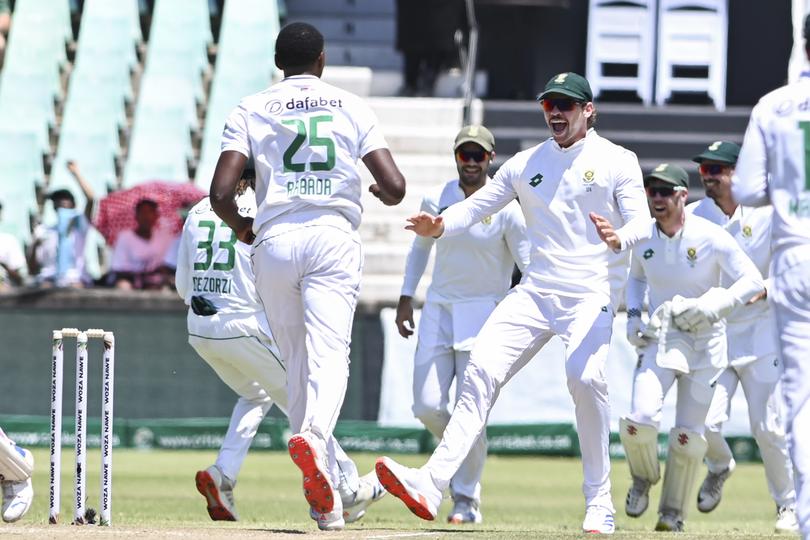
{"points": [[524, 497]]}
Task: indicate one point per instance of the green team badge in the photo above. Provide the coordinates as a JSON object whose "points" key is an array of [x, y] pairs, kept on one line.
{"points": [[535, 180], [746, 231], [487, 220], [691, 256], [587, 178], [648, 254]]}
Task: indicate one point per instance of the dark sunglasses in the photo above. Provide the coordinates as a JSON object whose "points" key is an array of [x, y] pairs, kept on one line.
{"points": [[662, 191], [474, 155], [711, 169], [563, 104]]}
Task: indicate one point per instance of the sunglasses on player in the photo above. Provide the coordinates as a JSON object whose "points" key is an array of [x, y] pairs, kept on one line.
{"points": [[474, 155], [563, 104], [662, 191], [712, 169]]}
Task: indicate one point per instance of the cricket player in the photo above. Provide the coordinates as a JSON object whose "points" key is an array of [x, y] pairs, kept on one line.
{"points": [[680, 267], [306, 137], [472, 273], [772, 169], [228, 329], [16, 468], [573, 188], [752, 349]]}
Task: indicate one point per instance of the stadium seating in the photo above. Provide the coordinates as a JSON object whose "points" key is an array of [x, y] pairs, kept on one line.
{"points": [[621, 36], [20, 173], [692, 40]]}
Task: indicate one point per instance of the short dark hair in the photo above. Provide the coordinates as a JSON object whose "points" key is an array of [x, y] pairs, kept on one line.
{"points": [[60, 194], [146, 202], [298, 45]]}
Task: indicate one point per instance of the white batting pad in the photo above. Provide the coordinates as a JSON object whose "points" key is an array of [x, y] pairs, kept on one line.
{"points": [[685, 459], [640, 443]]}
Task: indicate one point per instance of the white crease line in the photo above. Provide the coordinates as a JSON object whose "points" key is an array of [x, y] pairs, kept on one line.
{"points": [[403, 535]]}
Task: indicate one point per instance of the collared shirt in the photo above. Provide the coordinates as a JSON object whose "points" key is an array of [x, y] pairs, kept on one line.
{"points": [[558, 188]]}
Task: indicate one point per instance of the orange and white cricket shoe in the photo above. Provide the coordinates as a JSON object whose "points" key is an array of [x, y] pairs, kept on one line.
{"points": [[414, 487]]}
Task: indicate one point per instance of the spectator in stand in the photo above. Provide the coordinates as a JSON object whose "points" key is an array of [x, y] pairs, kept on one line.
{"points": [[12, 261], [138, 253], [5, 25], [56, 253], [427, 43]]}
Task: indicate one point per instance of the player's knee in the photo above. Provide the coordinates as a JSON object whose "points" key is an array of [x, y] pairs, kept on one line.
{"points": [[584, 384], [433, 416]]}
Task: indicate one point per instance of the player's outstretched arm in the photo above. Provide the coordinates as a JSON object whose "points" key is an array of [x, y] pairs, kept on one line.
{"points": [[390, 184], [425, 224], [223, 194]]}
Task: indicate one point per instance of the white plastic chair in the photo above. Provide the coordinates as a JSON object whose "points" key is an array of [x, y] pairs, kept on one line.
{"points": [[692, 34], [622, 32]]}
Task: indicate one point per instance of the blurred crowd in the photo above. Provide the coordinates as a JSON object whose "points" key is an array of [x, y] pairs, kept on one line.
{"points": [[138, 251]]}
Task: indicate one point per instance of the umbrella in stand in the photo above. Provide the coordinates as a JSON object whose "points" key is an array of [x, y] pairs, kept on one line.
{"points": [[116, 211]]}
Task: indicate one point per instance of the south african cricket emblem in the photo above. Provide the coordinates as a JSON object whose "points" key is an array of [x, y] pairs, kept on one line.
{"points": [[487, 220], [691, 256], [587, 179], [746, 231]]}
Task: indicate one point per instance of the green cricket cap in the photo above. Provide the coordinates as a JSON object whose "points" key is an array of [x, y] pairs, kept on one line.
{"points": [[568, 84], [476, 134], [671, 174], [721, 151]]}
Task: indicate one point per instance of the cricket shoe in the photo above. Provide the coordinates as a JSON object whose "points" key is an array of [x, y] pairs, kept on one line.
{"points": [[308, 452], [369, 490], [638, 497], [669, 521], [414, 487], [218, 492], [465, 510], [598, 520], [330, 521], [786, 521], [711, 491], [17, 497]]}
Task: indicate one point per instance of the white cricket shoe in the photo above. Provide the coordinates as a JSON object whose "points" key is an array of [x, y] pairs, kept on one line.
{"points": [[17, 497], [465, 510], [786, 521], [329, 521], [414, 487], [370, 490], [598, 520], [711, 491], [638, 497], [669, 521], [218, 492]]}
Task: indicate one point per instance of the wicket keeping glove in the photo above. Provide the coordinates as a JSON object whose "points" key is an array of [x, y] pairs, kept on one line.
{"points": [[699, 314]]}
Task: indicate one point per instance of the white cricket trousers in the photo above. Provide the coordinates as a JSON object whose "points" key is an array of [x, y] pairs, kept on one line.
{"points": [[250, 367], [307, 267], [436, 364], [791, 301], [759, 383], [518, 328], [651, 383]]}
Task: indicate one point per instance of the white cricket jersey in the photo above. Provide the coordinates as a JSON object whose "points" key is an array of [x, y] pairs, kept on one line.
{"points": [[212, 263], [773, 167], [750, 327], [474, 265], [558, 187], [305, 137]]}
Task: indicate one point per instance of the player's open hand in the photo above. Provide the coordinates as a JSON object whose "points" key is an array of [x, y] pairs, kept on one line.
{"points": [[425, 224], [606, 231]]}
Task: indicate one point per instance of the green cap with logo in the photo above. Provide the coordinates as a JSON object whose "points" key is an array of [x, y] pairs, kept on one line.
{"points": [[671, 174], [475, 134], [568, 84], [720, 151]]}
